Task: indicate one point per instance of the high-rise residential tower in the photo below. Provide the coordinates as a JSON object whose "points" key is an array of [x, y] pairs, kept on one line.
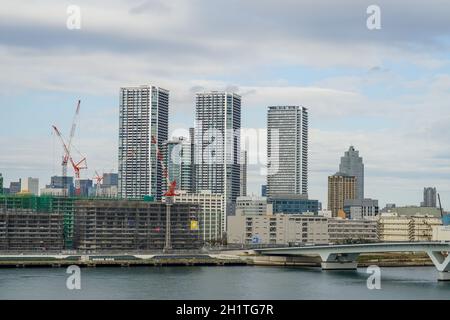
{"points": [[217, 145], [244, 161], [287, 150], [352, 165], [144, 112], [429, 197]]}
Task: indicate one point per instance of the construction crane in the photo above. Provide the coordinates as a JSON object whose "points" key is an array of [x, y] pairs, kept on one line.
{"points": [[66, 155], [98, 180], [169, 194], [440, 206], [77, 166]]}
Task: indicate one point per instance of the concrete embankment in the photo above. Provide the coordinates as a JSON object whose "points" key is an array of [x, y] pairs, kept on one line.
{"points": [[105, 260]]}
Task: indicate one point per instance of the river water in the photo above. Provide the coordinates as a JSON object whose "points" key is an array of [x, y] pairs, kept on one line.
{"points": [[239, 282]]}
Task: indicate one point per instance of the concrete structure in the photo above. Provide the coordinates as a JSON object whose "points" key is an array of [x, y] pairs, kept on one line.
{"points": [[211, 213], [352, 231], [293, 203], [108, 225], [30, 185], [345, 256], [180, 163], [279, 229], [287, 150], [143, 114], [393, 227], [325, 213], [352, 165], [243, 176], [217, 145], [341, 187], [429, 197], [361, 208], [253, 206], [58, 192]]}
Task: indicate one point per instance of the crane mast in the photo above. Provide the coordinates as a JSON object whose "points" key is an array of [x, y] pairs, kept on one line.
{"points": [[169, 194]]}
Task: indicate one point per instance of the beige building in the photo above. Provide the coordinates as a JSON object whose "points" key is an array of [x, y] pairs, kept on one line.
{"points": [[277, 229], [253, 205], [441, 233], [341, 187], [212, 213], [351, 230], [394, 227]]}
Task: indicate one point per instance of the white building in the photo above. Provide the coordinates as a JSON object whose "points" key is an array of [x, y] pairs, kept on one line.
{"points": [[253, 205], [144, 112], [212, 214], [441, 233], [287, 150], [351, 230], [277, 229]]}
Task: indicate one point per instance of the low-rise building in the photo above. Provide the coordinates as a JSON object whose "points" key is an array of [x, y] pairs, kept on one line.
{"points": [[279, 229], [211, 213], [352, 230], [395, 227], [441, 233]]}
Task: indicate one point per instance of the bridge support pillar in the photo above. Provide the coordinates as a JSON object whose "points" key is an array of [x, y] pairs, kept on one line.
{"points": [[339, 261], [442, 264], [339, 265]]}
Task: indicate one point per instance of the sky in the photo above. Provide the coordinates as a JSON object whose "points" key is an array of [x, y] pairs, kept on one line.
{"points": [[385, 91]]}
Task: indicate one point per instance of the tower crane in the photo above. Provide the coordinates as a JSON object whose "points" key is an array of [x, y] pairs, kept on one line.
{"points": [[98, 180], [169, 194], [66, 155], [77, 166]]}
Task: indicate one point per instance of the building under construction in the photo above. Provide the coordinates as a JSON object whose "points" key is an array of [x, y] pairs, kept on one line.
{"points": [[108, 225], [28, 224], [44, 204]]}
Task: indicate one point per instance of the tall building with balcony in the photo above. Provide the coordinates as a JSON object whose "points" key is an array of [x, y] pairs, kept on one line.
{"points": [[144, 113], [217, 145], [287, 150], [352, 164]]}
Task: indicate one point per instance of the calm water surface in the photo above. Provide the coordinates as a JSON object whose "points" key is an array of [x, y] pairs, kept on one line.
{"points": [[242, 282]]}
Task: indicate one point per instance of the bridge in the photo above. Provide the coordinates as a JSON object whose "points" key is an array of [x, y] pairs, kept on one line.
{"points": [[344, 257]]}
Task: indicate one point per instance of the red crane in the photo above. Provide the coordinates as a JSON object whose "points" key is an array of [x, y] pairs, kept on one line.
{"points": [[171, 185], [98, 178], [77, 166], [169, 194], [69, 146]]}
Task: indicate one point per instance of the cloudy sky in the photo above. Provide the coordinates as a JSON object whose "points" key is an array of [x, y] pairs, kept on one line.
{"points": [[387, 92]]}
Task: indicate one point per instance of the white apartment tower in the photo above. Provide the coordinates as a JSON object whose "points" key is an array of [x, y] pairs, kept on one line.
{"points": [[287, 150], [144, 112], [217, 145]]}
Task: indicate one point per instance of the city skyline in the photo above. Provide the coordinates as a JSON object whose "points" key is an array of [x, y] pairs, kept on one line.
{"points": [[390, 103]]}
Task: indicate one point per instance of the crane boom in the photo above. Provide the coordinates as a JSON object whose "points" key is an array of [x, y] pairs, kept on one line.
{"points": [[440, 206], [171, 185]]}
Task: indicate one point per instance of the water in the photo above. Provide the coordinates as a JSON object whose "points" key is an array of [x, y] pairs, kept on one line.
{"points": [[243, 282]]}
